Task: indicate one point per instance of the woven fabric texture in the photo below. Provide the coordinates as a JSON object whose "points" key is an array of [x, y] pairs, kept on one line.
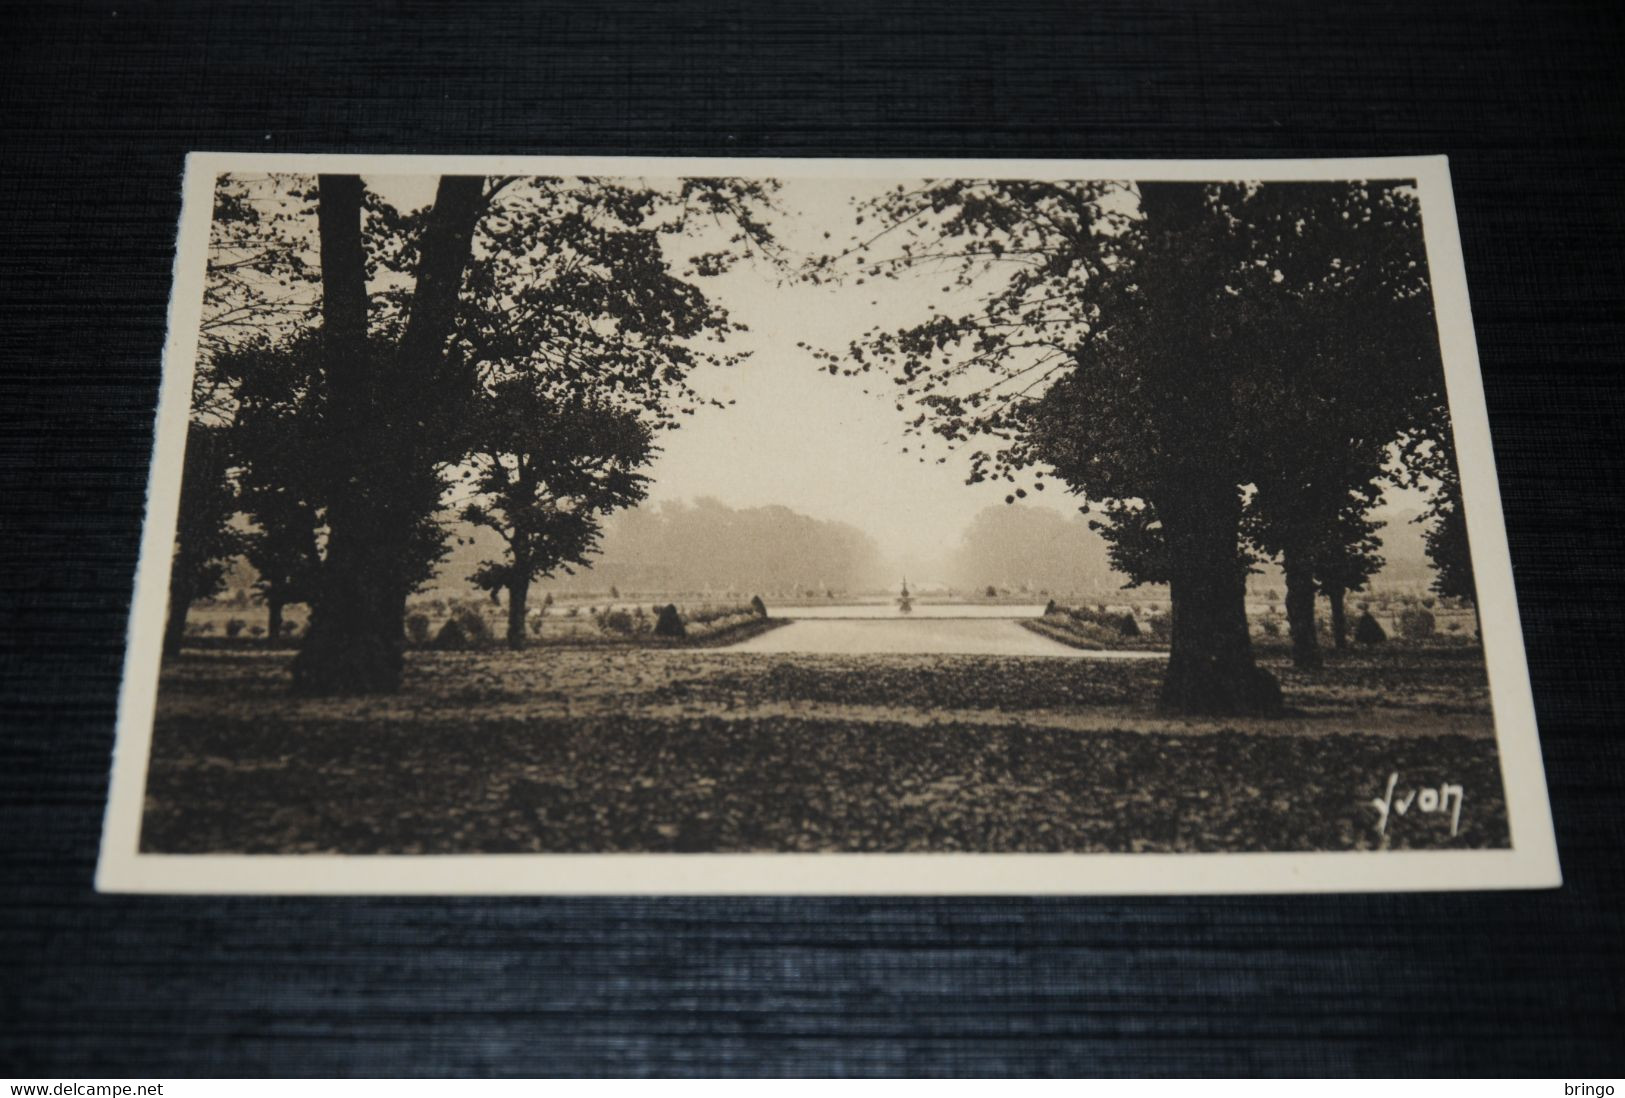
{"points": [[101, 101]]}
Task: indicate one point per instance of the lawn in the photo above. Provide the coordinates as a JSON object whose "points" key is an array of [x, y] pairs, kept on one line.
{"points": [[597, 749]]}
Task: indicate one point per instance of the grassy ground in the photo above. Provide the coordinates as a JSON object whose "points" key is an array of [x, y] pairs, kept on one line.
{"points": [[692, 749]]}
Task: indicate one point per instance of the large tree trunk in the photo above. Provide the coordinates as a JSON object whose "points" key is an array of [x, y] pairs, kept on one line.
{"points": [[273, 618], [518, 598], [1300, 609], [180, 603], [447, 240], [1340, 629], [429, 396], [389, 429], [350, 647], [1210, 665]]}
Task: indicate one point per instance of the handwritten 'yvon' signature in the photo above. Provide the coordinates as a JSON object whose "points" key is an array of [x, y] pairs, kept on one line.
{"points": [[1446, 798]]}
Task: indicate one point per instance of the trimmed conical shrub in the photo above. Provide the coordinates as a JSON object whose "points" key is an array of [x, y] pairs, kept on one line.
{"points": [[670, 623], [1367, 631], [452, 636]]}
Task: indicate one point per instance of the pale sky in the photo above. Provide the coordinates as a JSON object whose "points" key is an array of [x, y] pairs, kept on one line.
{"points": [[796, 435], [814, 442]]}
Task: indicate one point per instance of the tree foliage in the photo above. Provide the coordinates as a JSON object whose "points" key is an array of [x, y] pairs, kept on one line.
{"points": [[577, 338], [1181, 356], [1347, 371], [262, 279], [287, 471], [205, 540], [1446, 534], [545, 468], [573, 280], [353, 348], [1107, 348]]}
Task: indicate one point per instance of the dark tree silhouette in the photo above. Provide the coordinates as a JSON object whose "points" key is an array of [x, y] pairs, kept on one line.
{"points": [[1344, 562], [285, 553], [1114, 352], [276, 447], [385, 433], [546, 468], [1177, 352], [1446, 537], [286, 472], [260, 285], [1347, 368], [205, 541], [415, 323], [1183, 356], [1430, 464], [581, 332], [472, 315], [572, 282], [1134, 542]]}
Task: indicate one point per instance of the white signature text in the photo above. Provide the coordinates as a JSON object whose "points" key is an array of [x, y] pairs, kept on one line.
{"points": [[1446, 798]]}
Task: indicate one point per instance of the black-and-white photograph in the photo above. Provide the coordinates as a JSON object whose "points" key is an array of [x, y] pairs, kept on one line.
{"points": [[826, 510]]}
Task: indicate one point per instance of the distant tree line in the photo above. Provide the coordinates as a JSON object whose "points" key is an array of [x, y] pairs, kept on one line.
{"points": [[708, 546], [1033, 549]]}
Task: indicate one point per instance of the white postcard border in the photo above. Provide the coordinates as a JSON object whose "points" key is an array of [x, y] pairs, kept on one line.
{"points": [[1530, 863]]}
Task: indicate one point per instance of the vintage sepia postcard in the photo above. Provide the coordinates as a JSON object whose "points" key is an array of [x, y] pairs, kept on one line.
{"points": [[584, 525]]}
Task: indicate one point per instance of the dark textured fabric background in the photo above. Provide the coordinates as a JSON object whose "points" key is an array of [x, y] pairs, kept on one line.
{"points": [[100, 102]]}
